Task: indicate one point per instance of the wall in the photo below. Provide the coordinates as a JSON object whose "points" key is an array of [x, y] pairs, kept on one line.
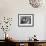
{"points": [[11, 8]]}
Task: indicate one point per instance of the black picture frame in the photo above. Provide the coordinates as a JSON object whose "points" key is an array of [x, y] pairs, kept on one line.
{"points": [[25, 20]]}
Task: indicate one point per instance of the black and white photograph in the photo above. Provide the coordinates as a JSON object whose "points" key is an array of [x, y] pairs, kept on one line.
{"points": [[25, 20]]}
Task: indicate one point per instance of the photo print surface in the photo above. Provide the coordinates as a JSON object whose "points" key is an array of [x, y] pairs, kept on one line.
{"points": [[25, 20]]}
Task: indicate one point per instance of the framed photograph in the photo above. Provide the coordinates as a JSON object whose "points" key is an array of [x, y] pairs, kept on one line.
{"points": [[25, 20]]}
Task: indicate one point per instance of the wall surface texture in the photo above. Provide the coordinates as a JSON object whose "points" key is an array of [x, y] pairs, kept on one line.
{"points": [[11, 8]]}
